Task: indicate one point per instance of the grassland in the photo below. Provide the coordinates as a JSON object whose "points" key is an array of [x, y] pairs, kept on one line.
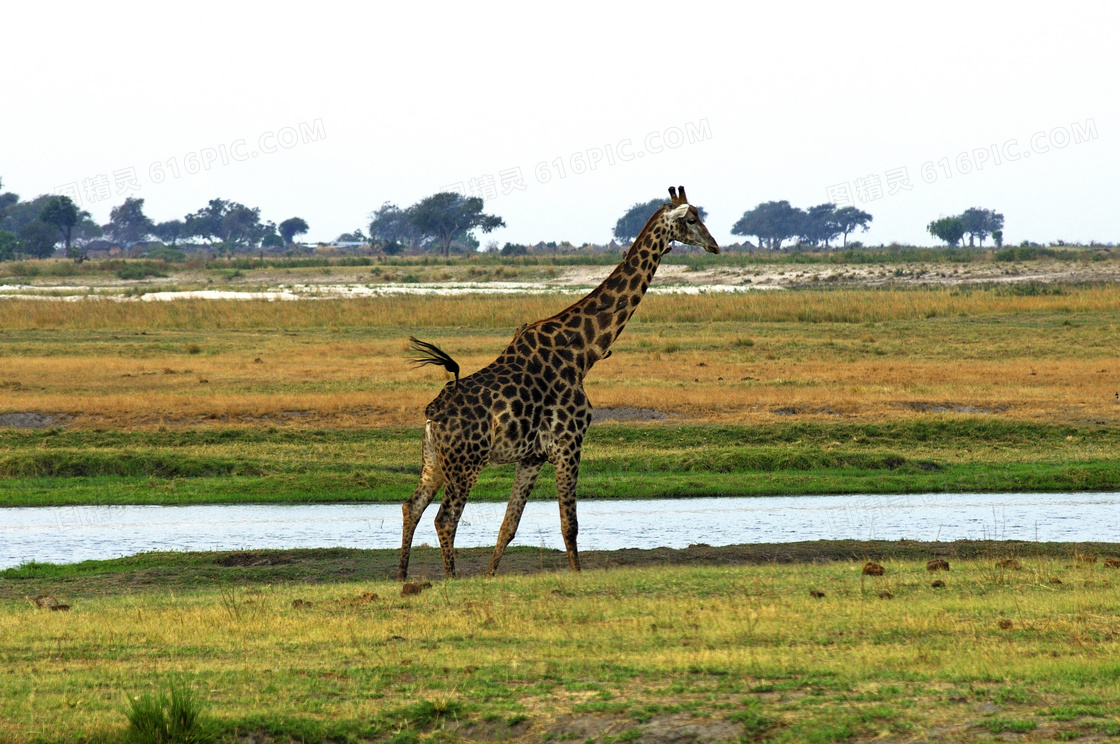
{"points": [[841, 390], [831, 391], [642, 653]]}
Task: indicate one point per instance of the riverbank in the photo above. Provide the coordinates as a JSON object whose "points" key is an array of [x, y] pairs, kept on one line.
{"points": [[164, 571], [784, 643]]}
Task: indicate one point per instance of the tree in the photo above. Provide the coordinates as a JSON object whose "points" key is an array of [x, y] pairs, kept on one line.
{"points": [[37, 239], [979, 223], [7, 199], [241, 227], [232, 224], [273, 241], [18, 214], [630, 224], [292, 227], [771, 222], [849, 218], [206, 223], [819, 225], [9, 244], [949, 229], [446, 216], [61, 212], [171, 231], [352, 237], [128, 224], [392, 228], [86, 230], [636, 217]]}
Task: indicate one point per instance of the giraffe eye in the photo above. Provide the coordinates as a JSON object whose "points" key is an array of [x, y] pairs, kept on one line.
{"points": [[691, 221]]}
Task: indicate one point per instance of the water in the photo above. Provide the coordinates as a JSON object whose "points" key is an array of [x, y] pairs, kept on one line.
{"points": [[71, 534], [324, 291]]}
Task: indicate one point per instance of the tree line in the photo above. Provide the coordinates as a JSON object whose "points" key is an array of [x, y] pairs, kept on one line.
{"points": [[771, 223], [34, 228]]}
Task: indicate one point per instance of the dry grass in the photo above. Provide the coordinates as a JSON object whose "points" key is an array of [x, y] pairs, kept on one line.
{"points": [[723, 359], [508, 312]]}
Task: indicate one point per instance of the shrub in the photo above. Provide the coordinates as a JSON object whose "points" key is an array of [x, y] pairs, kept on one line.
{"points": [[137, 271]]}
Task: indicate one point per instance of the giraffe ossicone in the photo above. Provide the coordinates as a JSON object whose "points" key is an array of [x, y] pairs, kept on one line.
{"points": [[529, 406]]}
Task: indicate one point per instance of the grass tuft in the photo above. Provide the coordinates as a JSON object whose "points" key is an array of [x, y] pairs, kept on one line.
{"points": [[428, 712], [171, 718]]}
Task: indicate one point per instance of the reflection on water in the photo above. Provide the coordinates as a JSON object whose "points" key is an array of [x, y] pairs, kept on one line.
{"points": [[70, 534]]}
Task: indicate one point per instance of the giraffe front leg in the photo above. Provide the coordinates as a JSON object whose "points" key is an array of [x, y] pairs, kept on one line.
{"points": [[523, 481], [431, 480], [567, 473], [447, 519]]}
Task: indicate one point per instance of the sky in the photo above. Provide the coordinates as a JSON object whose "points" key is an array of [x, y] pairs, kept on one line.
{"points": [[563, 115]]}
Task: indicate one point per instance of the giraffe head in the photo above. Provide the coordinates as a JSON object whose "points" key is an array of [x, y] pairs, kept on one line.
{"points": [[684, 222]]}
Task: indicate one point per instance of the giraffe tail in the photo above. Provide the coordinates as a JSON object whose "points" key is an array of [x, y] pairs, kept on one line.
{"points": [[425, 353]]}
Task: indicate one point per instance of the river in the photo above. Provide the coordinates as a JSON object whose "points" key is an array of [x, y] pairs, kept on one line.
{"points": [[72, 534]]}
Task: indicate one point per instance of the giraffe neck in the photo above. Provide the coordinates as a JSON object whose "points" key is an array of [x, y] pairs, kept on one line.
{"points": [[593, 323]]}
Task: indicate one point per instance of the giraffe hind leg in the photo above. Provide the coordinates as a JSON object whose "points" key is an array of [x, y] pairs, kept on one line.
{"points": [[431, 480], [523, 481], [455, 495]]}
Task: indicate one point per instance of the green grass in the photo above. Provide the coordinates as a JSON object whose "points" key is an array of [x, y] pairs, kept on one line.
{"points": [[740, 652], [232, 465], [171, 718]]}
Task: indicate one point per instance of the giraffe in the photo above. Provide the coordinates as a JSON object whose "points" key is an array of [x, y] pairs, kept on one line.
{"points": [[529, 406]]}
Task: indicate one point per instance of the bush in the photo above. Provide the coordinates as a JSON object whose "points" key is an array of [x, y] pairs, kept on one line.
{"points": [[174, 718], [167, 253], [1025, 253], [137, 271]]}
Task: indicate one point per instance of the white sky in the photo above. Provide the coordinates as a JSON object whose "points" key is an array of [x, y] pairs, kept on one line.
{"points": [[399, 100]]}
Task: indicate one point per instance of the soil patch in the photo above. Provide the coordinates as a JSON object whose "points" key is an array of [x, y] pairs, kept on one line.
{"points": [[32, 420], [627, 413], [670, 729], [924, 407]]}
